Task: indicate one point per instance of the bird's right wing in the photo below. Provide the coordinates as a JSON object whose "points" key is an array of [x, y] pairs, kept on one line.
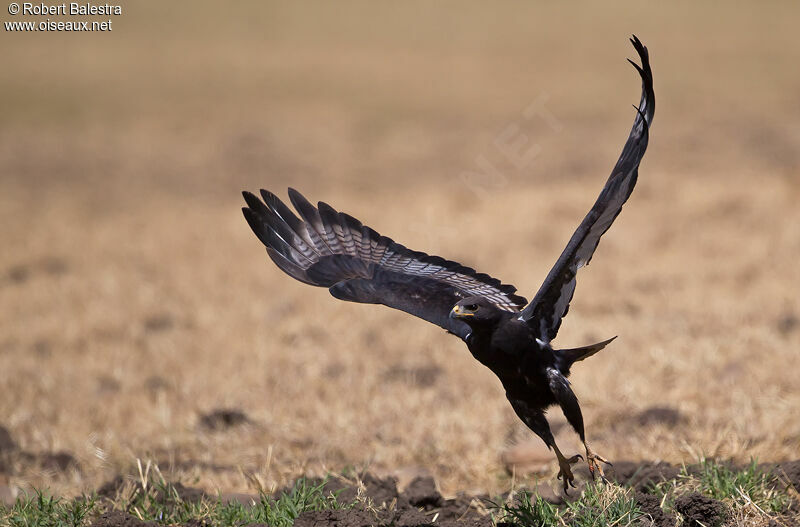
{"points": [[331, 249], [551, 302]]}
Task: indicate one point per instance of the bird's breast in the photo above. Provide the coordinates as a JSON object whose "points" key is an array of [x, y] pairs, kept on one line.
{"points": [[512, 355]]}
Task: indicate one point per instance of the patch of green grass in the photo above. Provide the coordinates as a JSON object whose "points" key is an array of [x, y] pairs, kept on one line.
{"points": [[161, 502], [741, 487], [41, 510], [601, 505], [529, 511], [604, 504], [303, 497]]}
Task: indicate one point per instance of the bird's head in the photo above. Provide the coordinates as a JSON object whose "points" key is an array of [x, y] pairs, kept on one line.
{"points": [[476, 311]]}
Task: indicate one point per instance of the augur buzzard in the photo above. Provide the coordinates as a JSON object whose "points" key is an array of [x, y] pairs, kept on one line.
{"points": [[502, 330]]}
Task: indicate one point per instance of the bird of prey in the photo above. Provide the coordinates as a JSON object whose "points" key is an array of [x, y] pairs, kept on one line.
{"points": [[503, 331]]}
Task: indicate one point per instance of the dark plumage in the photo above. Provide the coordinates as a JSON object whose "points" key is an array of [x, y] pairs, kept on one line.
{"points": [[502, 330]]}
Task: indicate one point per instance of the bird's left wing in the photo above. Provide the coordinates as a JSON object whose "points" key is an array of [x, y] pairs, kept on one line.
{"points": [[330, 249], [551, 302]]}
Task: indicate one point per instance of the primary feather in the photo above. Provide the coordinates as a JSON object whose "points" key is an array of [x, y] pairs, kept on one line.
{"points": [[551, 303]]}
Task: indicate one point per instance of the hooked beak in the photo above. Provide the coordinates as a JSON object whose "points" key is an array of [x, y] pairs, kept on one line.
{"points": [[460, 312]]}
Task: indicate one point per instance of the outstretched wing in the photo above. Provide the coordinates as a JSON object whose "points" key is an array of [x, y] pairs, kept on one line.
{"points": [[551, 302], [331, 249]]}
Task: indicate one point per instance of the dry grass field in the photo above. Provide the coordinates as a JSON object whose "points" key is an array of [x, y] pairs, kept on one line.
{"points": [[134, 298]]}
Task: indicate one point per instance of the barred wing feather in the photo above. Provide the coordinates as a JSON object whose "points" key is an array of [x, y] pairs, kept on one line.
{"points": [[326, 248]]}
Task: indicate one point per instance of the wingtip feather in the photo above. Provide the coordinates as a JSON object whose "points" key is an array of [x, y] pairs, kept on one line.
{"points": [[252, 200]]}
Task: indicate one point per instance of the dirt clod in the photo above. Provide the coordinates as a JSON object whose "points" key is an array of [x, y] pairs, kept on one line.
{"points": [[187, 494], [110, 489], [787, 323], [58, 461], [460, 509], [120, 519], [18, 274], [223, 419], [790, 471], [651, 506], [699, 510], [380, 490], [43, 348], [158, 323], [21, 273], [407, 517], [663, 415], [421, 492], [7, 443], [337, 518]]}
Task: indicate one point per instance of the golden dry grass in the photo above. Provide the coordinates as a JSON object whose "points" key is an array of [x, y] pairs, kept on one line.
{"points": [[134, 297]]}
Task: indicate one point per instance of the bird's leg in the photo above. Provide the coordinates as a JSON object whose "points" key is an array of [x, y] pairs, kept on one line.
{"points": [[536, 421], [559, 386], [564, 469], [593, 459]]}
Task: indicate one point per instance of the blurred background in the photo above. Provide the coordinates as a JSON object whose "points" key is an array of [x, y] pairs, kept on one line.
{"points": [[141, 319]]}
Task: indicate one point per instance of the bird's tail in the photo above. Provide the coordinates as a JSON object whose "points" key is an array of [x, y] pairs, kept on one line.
{"points": [[570, 356]]}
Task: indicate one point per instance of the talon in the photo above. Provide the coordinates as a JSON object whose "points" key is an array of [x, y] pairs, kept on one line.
{"points": [[600, 458], [594, 460], [565, 473]]}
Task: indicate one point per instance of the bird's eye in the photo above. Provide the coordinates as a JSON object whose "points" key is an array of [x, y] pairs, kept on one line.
{"points": [[472, 307]]}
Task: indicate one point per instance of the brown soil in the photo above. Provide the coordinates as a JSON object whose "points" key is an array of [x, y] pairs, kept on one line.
{"points": [[651, 506], [699, 510], [120, 519], [381, 503], [787, 472]]}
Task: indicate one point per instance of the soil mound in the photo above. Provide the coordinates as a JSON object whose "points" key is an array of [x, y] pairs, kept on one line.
{"points": [[223, 419], [7, 443], [699, 510], [120, 519]]}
